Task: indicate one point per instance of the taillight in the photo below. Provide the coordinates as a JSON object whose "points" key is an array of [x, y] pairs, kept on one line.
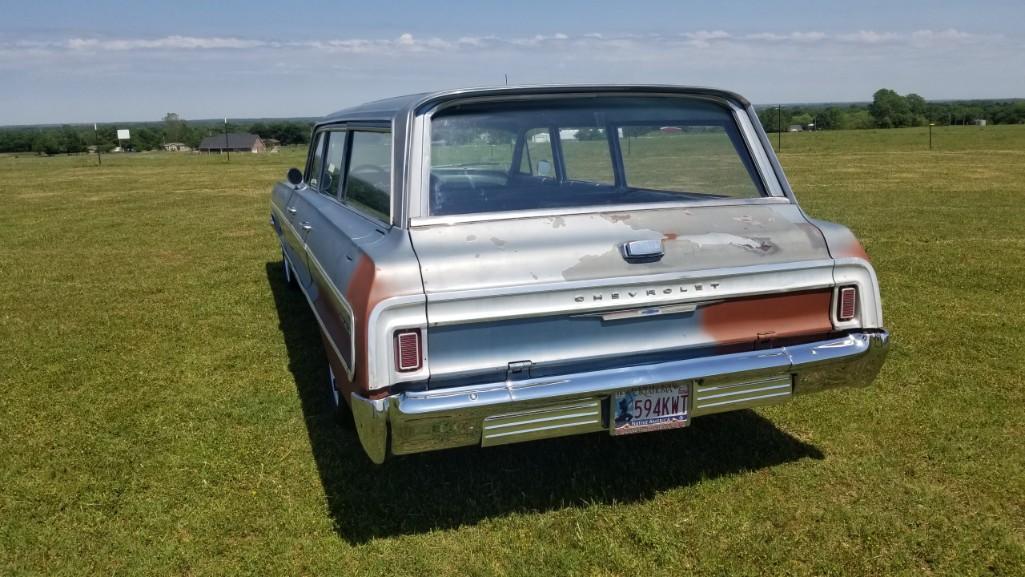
{"points": [[407, 350], [847, 303]]}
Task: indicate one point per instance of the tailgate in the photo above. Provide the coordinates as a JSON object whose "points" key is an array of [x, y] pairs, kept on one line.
{"points": [[551, 293]]}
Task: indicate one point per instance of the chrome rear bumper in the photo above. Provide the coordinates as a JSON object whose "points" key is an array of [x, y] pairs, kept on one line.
{"points": [[529, 409]]}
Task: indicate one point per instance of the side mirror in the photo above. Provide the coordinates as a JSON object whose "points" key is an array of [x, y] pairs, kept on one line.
{"points": [[294, 176]]}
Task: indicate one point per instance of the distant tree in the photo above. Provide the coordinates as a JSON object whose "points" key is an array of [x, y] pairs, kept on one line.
{"points": [[192, 136], [149, 138], [45, 143], [857, 118], [802, 119], [590, 134], [916, 104], [829, 118], [771, 121], [886, 106], [290, 133], [890, 109], [71, 141], [106, 138], [174, 128], [260, 129]]}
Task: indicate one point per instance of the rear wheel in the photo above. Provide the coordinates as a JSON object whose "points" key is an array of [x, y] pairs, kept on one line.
{"points": [[339, 410]]}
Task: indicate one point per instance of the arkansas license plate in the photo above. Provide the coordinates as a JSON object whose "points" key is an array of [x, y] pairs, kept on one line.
{"points": [[650, 409]]}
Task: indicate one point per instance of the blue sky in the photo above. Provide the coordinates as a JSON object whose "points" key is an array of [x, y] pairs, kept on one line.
{"points": [[107, 61]]}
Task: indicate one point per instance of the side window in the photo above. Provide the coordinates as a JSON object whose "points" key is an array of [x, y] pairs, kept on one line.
{"points": [[368, 181], [334, 162], [316, 162], [586, 154], [461, 144], [687, 158]]}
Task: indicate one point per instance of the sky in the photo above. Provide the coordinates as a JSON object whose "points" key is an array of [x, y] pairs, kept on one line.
{"points": [[106, 61]]}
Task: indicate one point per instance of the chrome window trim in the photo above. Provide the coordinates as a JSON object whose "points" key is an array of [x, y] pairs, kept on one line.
{"points": [[419, 136], [754, 147], [364, 126], [424, 221], [311, 151], [327, 145], [349, 369], [370, 126]]}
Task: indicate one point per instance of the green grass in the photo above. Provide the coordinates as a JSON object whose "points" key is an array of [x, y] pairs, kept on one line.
{"points": [[163, 406]]}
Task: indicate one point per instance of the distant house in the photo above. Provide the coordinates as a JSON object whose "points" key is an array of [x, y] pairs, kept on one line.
{"points": [[233, 142], [176, 147], [979, 122]]}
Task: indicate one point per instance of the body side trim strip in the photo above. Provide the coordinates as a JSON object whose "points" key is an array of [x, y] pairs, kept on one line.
{"points": [[349, 369]]}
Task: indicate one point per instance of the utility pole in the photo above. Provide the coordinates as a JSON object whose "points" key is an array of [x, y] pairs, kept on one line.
{"points": [[96, 143], [779, 127], [226, 149]]}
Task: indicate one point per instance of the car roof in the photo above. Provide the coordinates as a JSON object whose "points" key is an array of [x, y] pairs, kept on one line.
{"points": [[390, 109]]}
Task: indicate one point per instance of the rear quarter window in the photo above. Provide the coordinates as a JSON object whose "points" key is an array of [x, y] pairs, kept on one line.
{"points": [[368, 177]]}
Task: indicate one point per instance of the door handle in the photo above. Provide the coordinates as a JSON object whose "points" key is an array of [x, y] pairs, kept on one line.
{"points": [[305, 226], [291, 210]]}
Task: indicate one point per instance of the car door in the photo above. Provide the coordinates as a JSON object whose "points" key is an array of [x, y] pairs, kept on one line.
{"points": [[337, 230], [299, 211]]}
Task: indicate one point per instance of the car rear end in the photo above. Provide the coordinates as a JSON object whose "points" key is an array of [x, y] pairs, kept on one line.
{"points": [[613, 260]]}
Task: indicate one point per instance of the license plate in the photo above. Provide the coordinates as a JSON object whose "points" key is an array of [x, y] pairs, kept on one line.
{"points": [[650, 409]]}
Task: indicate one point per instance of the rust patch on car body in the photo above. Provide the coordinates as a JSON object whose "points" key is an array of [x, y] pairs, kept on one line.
{"points": [[854, 249], [365, 290], [748, 320]]}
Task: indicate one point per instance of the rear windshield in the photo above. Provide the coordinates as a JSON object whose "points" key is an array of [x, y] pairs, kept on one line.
{"points": [[573, 152]]}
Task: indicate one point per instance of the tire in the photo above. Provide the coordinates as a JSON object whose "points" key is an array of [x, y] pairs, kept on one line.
{"points": [[339, 410]]}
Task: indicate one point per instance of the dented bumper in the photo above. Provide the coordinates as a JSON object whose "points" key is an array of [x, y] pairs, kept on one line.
{"points": [[531, 409]]}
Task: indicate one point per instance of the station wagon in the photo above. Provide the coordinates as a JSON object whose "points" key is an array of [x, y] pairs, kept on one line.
{"points": [[490, 266]]}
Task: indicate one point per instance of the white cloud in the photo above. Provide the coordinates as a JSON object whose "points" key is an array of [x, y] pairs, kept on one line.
{"points": [[407, 42], [799, 37], [166, 43], [869, 37]]}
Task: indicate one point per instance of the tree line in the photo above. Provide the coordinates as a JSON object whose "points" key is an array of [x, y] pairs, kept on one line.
{"points": [[889, 109], [73, 139]]}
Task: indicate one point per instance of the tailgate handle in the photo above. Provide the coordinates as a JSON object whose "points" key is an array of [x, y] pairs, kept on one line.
{"points": [[518, 370], [643, 250]]}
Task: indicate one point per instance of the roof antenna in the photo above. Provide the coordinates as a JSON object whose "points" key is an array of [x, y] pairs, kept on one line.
{"points": [[507, 79]]}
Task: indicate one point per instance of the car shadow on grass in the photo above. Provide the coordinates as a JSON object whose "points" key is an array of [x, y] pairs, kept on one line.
{"points": [[446, 489]]}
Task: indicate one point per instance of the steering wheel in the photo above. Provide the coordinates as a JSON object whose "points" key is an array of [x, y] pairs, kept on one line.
{"points": [[368, 168]]}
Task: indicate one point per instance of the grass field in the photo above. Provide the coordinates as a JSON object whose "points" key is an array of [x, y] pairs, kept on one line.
{"points": [[163, 407]]}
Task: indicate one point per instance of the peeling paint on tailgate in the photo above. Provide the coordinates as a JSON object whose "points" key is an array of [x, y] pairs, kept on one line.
{"points": [[581, 247]]}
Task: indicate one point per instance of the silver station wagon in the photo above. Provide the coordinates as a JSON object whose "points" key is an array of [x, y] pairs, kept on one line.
{"points": [[498, 265]]}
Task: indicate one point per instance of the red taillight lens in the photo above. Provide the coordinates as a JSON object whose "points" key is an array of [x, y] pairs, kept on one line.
{"points": [[407, 350], [847, 304]]}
